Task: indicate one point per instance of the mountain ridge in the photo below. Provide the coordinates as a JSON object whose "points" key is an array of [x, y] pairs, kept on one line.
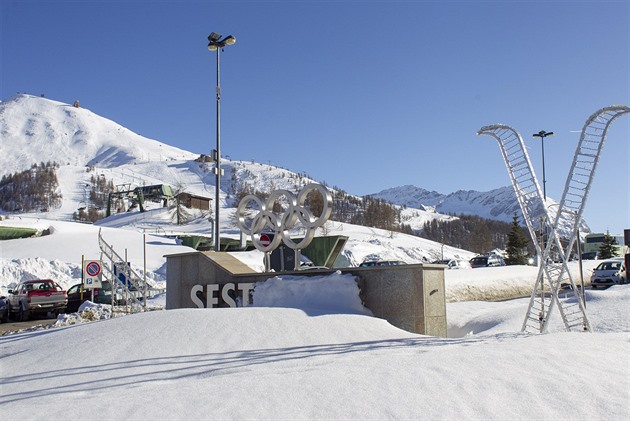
{"points": [[77, 137]]}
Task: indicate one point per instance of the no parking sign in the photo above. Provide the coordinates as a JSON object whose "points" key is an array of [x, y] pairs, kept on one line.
{"points": [[92, 274]]}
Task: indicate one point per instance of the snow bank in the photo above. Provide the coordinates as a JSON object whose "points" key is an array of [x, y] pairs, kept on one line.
{"points": [[334, 293], [88, 312], [501, 283], [273, 363], [607, 312]]}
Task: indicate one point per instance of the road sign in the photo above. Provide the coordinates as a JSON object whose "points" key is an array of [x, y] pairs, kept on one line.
{"points": [[92, 274], [121, 272], [265, 240]]}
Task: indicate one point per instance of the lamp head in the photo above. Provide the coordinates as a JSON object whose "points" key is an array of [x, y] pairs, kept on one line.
{"points": [[214, 37], [542, 134]]}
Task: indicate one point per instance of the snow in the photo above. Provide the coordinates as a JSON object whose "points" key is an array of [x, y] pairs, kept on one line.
{"points": [[309, 349], [283, 363]]}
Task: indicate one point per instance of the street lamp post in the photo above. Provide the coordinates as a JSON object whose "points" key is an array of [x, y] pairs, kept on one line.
{"points": [[543, 230], [215, 43], [542, 134]]}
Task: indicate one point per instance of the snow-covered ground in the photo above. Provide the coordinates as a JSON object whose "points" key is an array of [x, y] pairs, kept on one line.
{"points": [[306, 356], [58, 255], [308, 363]]}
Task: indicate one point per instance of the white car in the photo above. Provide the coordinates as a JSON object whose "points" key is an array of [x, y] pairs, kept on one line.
{"points": [[609, 272], [458, 264]]}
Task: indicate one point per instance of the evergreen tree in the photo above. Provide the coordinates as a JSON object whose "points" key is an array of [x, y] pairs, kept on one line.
{"points": [[516, 245], [608, 249]]}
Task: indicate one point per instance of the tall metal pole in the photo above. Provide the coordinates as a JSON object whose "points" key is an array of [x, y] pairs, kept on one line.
{"points": [[216, 43], [144, 252], [542, 134], [542, 142], [543, 229], [579, 252], [217, 241]]}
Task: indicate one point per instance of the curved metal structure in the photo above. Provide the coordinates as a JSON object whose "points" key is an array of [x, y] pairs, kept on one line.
{"points": [[585, 163], [521, 174], [530, 199], [571, 207]]}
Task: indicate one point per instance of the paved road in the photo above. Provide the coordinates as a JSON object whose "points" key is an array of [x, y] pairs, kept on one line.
{"points": [[13, 326]]}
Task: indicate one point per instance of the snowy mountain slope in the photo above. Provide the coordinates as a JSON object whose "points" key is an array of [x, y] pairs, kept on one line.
{"points": [[84, 144], [35, 129], [411, 196], [498, 204]]}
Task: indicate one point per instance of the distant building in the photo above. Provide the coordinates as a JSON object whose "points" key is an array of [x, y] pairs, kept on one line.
{"points": [[192, 201], [203, 158]]}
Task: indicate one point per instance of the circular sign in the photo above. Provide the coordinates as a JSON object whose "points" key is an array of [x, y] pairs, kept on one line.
{"points": [[264, 240], [93, 268]]}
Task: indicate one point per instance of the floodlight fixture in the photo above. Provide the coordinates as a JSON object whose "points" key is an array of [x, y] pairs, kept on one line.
{"points": [[215, 41]]}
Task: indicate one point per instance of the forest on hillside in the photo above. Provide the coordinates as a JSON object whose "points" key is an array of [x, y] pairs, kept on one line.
{"points": [[35, 189]]}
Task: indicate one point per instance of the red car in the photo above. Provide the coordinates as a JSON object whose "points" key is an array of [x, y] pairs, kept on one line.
{"points": [[41, 296]]}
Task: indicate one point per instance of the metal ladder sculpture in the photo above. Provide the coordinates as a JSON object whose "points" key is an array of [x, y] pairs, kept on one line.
{"points": [[571, 208], [524, 181], [530, 200], [112, 267]]}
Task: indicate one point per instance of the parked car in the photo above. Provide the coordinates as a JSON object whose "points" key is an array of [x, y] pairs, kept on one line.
{"points": [[609, 272], [459, 264], [487, 260], [373, 263], [593, 255], [99, 296], [4, 309], [41, 296], [454, 263]]}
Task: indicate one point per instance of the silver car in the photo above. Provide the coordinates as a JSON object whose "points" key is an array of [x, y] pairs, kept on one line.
{"points": [[458, 264], [609, 272]]}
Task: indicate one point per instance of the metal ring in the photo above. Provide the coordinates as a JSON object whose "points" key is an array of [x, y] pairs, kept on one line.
{"points": [[280, 223], [257, 223]]}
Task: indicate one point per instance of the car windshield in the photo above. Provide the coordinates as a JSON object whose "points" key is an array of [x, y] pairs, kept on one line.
{"points": [[609, 266], [44, 286]]}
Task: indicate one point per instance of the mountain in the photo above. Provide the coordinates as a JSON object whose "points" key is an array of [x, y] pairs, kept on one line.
{"points": [[35, 129], [499, 204], [85, 145]]}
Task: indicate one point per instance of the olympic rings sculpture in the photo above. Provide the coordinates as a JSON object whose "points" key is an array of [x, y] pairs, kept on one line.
{"points": [[279, 223]]}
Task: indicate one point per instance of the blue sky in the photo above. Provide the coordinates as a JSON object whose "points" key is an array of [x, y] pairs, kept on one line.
{"points": [[364, 95]]}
